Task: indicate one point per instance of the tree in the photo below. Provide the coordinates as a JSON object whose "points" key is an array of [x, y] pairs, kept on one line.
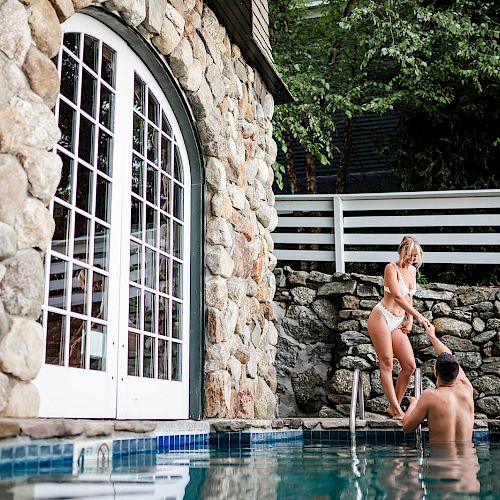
{"points": [[438, 60]]}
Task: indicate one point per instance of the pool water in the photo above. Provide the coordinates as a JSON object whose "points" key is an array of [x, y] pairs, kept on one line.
{"points": [[294, 470]]}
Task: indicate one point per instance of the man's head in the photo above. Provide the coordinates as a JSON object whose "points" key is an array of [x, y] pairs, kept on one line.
{"points": [[447, 367]]}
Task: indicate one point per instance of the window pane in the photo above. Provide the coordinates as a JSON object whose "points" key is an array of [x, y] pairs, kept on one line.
{"points": [[67, 125], [164, 276], [86, 140], [103, 199], [150, 275], [162, 359], [135, 262], [178, 173], [138, 94], [88, 99], [178, 240], [153, 108], [133, 354], [152, 185], [134, 307], [82, 238], [69, 77], [138, 137], [176, 320], [72, 42], [149, 312], [101, 246], [166, 160], [176, 361], [152, 144], [59, 280], [176, 279], [136, 218], [164, 317], [108, 65], [148, 360], [107, 108], [151, 215], [85, 185], [178, 202], [77, 336], [165, 193], [99, 296], [137, 175], [105, 153], [55, 343], [164, 233], [79, 290], [90, 52], [64, 190], [97, 347], [62, 218], [165, 125]]}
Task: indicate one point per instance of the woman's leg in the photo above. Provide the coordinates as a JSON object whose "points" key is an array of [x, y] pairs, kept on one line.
{"points": [[404, 352], [382, 342]]}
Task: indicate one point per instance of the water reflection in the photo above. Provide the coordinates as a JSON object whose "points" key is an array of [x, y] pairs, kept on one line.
{"points": [[281, 471]]}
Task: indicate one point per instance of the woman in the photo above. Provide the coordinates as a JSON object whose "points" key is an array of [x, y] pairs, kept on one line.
{"points": [[387, 327]]}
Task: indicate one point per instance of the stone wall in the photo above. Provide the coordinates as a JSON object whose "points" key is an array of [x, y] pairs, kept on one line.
{"points": [[322, 329], [233, 111]]}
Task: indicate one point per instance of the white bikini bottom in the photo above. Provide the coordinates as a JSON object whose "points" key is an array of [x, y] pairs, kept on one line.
{"points": [[392, 320]]}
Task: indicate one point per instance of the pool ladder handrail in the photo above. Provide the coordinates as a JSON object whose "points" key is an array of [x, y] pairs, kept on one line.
{"points": [[357, 396]]}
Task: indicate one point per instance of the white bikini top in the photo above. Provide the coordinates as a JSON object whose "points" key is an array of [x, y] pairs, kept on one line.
{"points": [[403, 287]]}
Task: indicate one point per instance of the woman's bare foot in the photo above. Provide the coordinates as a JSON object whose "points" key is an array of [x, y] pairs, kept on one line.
{"points": [[396, 415]]}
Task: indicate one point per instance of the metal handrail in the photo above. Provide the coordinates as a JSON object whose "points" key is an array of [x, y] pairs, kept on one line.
{"points": [[418, 392], [357, 396]]}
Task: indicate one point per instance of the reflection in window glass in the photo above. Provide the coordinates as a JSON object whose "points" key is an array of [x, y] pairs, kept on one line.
{"points": [[178, 202], [69, 77], [138, 94], [149, 312], [67, 126], [81, 238], [178, 174], [165, 125], [101, 246], [164, 276], [150, 270], [137, 175], [106, 114], [166, 160], [138, 137], [176, 279], [135, 262], [99, 307], [85, 187], [97, 347], [151, 227], [134, 307], [148, 361], [162, 359], [86, 140], [164, 233], [105, 153], [176, 320], [176, 361], [72, 42], [62, 219], [165, 193], [152, 184], [164, 317], [88, 98], [56, 339], [108, 65], [153, 108], [79, 290], [103, 201], [133, 354], [91, 52], [58, 281], [178, 240], [64, 189], [136, 218], [77, 341]]}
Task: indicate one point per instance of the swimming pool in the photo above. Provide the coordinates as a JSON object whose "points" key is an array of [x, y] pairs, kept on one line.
{"points": [[290, 470]]}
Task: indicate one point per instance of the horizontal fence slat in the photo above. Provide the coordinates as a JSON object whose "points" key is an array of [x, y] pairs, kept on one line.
{"points": [[429, 257], [314, 255], [422, 204], [423, 221], [305, 222], [471, 239], [308, 238], [305, 206]]}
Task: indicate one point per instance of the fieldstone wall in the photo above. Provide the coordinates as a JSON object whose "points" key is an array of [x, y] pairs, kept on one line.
{"points": [[322, 328], [233, 111]]}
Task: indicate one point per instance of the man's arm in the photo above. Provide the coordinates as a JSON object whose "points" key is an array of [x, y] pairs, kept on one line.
{"points": [[416, 412], [440, 347]]}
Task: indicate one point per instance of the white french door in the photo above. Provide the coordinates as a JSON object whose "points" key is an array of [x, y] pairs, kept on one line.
{"points": [[116, 315]]}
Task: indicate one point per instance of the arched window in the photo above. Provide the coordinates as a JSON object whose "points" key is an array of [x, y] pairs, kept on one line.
{"points": [[116, 314]]}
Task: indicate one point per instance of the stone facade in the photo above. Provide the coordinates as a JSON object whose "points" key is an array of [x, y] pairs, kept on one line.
{"points": [[233, 111], [322, 328]]}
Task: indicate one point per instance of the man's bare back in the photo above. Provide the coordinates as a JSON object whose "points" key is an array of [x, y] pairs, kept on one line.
{"points": [[449, 408]]}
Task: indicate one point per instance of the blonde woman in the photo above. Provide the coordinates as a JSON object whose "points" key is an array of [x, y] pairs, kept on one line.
{"points": [[391, 321]]}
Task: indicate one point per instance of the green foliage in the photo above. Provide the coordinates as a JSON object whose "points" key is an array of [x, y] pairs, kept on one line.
{"points": [[436, 62]]}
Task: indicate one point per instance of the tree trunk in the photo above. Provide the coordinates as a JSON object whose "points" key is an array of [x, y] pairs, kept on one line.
{"points": [[312, 181], [345, 156], [338, 44], [290, 165]]}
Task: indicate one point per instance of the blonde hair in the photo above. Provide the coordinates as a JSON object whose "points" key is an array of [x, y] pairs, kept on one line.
{"points": [[408, 243]]}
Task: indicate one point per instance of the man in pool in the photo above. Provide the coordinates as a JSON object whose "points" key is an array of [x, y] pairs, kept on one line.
{"points": [[449, 408]]}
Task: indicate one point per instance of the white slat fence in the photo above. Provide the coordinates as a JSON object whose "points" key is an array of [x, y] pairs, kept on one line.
{"points": [[369, 227]]}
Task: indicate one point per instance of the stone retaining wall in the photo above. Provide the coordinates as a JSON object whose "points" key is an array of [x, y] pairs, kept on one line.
{"points": [[322, 328], [233, 112]]}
